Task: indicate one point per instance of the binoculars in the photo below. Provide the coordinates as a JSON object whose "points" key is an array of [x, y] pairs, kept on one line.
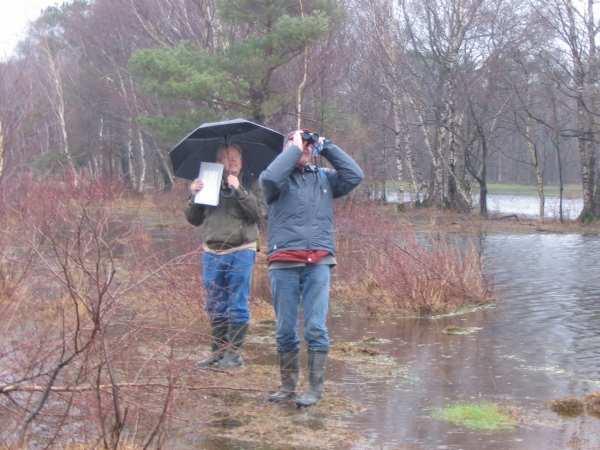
{"points": [[310, 137]]}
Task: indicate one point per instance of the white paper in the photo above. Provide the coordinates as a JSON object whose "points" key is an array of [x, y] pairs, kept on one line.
{"points": [[211, 175]]}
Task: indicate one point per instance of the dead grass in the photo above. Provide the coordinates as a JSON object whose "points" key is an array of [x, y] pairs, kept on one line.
{"points": [[387, 268], [573, 406], [434, 220], [570, 407], [592, 404], [155, 331]]}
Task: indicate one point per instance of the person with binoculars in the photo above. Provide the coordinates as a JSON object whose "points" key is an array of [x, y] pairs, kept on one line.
{"points": [[301, 252]]}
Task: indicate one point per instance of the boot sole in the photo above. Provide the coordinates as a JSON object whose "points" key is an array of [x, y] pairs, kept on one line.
{"points": [[291, 398]]}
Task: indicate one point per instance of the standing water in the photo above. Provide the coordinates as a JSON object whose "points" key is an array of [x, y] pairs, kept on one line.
{"points": [[539, 343], [522, 205]]}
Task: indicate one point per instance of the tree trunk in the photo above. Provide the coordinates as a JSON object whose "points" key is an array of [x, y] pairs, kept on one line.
{"points": [[256, 105], [163, 167], [535, 162], [556, 143], [483, 191], [402, 146], [435, 189], [142, 178], [587, 103], [302, 84], [59, 109], [127, 158], [591, 210], [458, 198], [1, 150]]}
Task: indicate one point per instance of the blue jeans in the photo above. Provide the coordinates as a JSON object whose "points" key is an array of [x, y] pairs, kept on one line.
{"points": [[308, 286], [227, 281]]}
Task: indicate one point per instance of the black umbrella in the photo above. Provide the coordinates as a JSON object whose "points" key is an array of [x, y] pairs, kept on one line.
{"points": [[260, 145]]}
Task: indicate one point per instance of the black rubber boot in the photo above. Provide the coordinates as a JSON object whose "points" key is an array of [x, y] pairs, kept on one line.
{"points": [[316, 379], [219, 343], [289, 369], [232, 357]]}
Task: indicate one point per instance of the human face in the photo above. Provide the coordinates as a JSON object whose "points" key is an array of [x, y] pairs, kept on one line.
{"points": [[306, 154], [295, 139], [232, 160]]}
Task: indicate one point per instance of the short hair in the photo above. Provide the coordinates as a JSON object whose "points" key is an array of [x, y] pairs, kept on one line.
{"points": [[225, 147]]}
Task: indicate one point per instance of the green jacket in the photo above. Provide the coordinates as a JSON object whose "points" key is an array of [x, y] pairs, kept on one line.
{"points": [[233, 222]]}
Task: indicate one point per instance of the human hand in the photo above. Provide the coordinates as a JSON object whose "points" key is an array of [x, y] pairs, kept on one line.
{"points": [[233, 181], [318, 147], [295, 138], [196, 186]]}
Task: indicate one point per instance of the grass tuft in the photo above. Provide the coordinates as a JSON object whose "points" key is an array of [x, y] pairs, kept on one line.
{"points": [[476, 416]]}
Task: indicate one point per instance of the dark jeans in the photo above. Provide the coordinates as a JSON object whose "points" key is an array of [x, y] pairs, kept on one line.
{"points": [[227, 280], [308, 286]]}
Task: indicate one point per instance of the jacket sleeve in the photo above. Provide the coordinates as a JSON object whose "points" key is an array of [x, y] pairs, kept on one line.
{"points": [[250, 201], [346, 174], [274, 177], [194, 213]]}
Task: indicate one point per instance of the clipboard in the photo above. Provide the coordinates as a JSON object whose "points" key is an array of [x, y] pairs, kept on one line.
{"points": [[211, 175]]}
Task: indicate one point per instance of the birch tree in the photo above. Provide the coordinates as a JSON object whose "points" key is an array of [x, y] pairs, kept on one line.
{"points": [[56, 98], [388, 42], [576, 27]]}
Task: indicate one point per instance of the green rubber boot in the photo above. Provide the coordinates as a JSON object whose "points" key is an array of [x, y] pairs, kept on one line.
{"points": [[232, 356], [218, 345], [316, 379], [289, 369]]}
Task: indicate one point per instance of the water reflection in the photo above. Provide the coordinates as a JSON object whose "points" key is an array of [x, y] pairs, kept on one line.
{"points": [[541, 342]]}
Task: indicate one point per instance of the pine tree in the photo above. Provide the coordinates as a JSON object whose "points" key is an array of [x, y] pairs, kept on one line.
{"points": [[257, 37]]}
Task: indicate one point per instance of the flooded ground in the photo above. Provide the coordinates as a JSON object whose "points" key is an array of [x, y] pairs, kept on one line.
{"points": [[388, 378], [540, 342]]}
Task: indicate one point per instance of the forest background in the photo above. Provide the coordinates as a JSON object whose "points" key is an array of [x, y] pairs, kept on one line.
{"points": [[438, 98]]}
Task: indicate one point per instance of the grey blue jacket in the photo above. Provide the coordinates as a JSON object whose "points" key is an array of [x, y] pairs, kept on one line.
{"points": [[300, 201]]}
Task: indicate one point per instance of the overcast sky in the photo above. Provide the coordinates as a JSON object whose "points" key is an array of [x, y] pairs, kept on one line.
{"points": [[14, 17]]}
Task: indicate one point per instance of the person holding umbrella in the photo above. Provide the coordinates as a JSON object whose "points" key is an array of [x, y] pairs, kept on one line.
{"points": [[301, 251], [229, 230], [230, 234]]}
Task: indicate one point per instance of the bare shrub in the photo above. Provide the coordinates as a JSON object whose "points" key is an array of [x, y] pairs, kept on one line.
{"points": [[90, 350], [385, 265]]}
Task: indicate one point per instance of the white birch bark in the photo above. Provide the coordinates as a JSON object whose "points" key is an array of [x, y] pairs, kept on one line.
{"points": [[302, 85], [127, 158], [142, 177], [402, 144], [129, 154], [1, 149], [58, 102], [535, 162]]}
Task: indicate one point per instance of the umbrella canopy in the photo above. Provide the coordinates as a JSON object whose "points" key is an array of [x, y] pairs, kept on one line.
{"points": [[260, 145]]}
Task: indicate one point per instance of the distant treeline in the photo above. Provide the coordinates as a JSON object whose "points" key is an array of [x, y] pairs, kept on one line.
{"points": [[438, 96]]}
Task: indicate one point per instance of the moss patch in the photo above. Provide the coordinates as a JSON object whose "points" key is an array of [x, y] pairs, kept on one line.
{"points": [[476, 416]]}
